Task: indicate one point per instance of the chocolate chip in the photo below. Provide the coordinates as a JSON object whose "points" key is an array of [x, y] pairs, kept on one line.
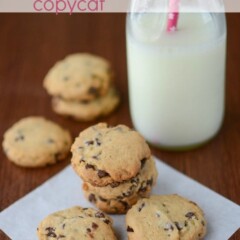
{"points": [[106, 221], [50, 229], [57, 157], [119, 197], [89, 142], [168, 227], [125, 204], [100, 215], [127, 194], [51, 232], [129, 229], [61, 236], [135, 180], [102, 174], [141, 207], [89, 166], [114, 184], [97, 156], [185, 223], [63, 226], [164, 205], [93, 91], [102, 199], [50, 140], [89, 230], [203, 223], [143, 161], [178, 226], [150, 182], [85, 101], [190, 215], [92, 198], [94, 226], [84, 209], [19, 138], [98, 142], [142, 189]]}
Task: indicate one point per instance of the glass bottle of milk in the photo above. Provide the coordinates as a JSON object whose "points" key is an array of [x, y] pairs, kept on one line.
{"points": [[177, 79]]}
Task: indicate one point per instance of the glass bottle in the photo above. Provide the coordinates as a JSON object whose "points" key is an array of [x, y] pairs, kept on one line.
{"points": [[176, 78]]}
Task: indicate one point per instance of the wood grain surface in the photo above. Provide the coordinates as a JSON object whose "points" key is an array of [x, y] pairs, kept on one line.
{"points": [[31, 43]]}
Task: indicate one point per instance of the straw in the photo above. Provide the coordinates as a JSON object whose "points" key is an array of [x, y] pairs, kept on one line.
{"points": [[173, 13]]}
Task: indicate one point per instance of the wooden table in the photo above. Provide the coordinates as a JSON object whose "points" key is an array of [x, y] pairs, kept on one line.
{"points": [[30, 44]]}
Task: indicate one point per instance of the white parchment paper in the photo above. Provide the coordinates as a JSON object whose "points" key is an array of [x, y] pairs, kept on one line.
{"points": [[20, 220]]}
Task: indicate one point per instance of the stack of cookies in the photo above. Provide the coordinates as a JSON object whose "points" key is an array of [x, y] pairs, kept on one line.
{"points": [[81, 86], [116, 166]]}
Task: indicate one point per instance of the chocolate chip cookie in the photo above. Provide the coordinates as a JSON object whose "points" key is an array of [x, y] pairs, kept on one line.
{"points": [[165, 217], [87, 110], [102, 155], [79, 76], [119, 197], [36, 142], [76, 223]]}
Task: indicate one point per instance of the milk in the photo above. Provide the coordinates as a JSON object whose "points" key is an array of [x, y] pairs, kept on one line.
{"points": [[176, 80]]}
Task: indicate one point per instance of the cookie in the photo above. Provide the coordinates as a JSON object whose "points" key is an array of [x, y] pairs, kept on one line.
{"points": [[102, 155], [76, 223], [79, 76], [165, 217], [87, 110], [119, 197], [186, 215], [36, 142]]}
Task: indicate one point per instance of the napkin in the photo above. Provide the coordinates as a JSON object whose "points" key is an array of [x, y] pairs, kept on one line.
{"points": [[20, 220]]}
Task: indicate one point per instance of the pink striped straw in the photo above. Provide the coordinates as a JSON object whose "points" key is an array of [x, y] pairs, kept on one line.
{"points": [[173, 14]]}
